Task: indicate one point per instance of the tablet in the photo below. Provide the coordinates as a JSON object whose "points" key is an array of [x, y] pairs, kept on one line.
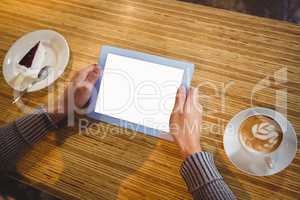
{"points": [[137, 90]]}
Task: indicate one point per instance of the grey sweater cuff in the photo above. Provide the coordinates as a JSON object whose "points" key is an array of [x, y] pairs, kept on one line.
{"points": [[34, 126], [198, 170], [18, 136]]}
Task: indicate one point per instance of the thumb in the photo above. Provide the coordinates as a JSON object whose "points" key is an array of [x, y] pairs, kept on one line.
{"points": [[93, 75]]}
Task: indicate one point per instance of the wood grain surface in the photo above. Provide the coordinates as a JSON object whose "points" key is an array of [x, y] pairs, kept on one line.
{"points": [[234, 54]]}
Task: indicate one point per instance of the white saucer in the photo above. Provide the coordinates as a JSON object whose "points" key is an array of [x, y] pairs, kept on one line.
{"points": [[57, 51], [253, 164]]}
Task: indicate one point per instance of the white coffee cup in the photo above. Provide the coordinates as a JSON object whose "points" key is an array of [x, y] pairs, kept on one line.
{"points": [[259, 164], [272, 157]]}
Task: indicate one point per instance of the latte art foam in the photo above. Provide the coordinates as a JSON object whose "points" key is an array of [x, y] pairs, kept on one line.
{"points": [[266, 131], [260, 133]]}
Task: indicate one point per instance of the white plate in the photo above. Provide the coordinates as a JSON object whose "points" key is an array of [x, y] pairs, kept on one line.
{"points": [[253, 164], [57, 50]]}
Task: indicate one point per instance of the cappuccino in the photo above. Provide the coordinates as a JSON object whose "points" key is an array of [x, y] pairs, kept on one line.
{"points": [[260, 133]]}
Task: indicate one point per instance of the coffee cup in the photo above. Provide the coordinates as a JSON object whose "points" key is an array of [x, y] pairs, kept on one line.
{"points": [[262, 135], [254, 162]]}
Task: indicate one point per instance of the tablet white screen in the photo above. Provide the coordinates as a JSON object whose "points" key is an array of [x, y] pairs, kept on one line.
{"points": [[138, 91]]}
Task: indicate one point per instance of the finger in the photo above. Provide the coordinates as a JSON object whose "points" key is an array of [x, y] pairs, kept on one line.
{"points": [[196, 104], [82, 74], [90, 68], [191, 100], [173, 125], [93, 75], [180, 99]]}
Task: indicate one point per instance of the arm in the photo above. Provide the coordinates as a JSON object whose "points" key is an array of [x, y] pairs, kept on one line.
{"points": [[198, 169], [17, 137], [203, 179]]}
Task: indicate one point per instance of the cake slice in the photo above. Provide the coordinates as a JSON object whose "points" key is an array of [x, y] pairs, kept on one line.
{"points": [[27, 60], [33, 61]]}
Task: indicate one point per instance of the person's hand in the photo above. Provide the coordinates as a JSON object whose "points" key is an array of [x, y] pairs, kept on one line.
{"points": [[186, 120], [83, 84], [77, 93]]}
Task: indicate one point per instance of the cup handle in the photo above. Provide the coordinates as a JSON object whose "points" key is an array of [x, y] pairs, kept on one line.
{"points": [[270, 162]]}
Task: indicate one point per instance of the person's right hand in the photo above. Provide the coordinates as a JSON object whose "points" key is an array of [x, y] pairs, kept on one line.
{"points": [[186, 120]]}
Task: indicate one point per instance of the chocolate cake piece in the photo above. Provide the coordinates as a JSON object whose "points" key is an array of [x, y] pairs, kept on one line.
{"points": [[28, 58]]}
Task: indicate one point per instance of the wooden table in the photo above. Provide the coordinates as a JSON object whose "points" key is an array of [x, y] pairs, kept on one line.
{"points": [[232, 52]]}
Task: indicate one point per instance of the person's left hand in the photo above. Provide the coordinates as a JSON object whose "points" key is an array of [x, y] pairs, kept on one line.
{"points": [[83, 84], [77, 93]]}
